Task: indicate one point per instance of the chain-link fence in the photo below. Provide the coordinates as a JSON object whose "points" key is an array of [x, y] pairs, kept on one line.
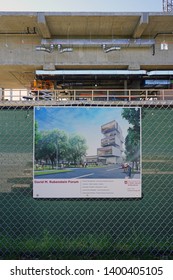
{"points": [[86, 228]]}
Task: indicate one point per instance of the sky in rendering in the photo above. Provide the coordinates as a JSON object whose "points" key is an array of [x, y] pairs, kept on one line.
{"points": [[82, 5], [85, 121]]}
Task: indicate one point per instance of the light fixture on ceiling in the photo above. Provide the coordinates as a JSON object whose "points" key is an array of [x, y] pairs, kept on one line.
{"points": [[62, 50], [53, 47], [42, 48], [110, 49]]}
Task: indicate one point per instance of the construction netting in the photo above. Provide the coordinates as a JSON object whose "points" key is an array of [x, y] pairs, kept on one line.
{"points": [[86, 228]]}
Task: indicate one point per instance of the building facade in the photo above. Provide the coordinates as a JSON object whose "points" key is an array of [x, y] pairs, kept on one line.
{"points": [[126, 53], [112, 143]]}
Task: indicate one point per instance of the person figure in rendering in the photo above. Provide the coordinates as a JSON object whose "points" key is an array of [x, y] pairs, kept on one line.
{"points": [[129, 171]]}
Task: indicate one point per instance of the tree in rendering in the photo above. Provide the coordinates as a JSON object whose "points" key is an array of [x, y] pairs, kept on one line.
{"points": [[77, 148], [132, 140], [57, 147]]}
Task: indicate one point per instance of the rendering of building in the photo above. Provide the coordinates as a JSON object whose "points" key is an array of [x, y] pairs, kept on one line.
{"points": [[112, 143], [92, 159]]}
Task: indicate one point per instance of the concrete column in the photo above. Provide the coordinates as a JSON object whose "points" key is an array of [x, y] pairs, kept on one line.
{"points": [[125, 89], [1, 93], [11, 94]]}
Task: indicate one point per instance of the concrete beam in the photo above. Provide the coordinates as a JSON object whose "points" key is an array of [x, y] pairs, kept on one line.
{"points": [[49, 66], [134, 66], [142, 24], [43, 27]]}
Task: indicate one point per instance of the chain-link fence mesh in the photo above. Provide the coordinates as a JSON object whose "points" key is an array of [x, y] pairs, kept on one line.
{"points": [[86, 228]]}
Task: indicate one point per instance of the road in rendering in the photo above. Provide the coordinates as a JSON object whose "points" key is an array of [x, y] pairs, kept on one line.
{"points": [[107, 172]]}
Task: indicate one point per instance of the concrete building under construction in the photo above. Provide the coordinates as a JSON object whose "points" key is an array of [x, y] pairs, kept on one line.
{"points": [[57, 56]]}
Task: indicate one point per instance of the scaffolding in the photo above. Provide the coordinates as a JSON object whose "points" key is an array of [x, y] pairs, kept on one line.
{"points": [[168, 6]]}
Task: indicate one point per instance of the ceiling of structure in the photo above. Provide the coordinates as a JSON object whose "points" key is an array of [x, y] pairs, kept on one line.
{"points": [[49, 25], [86, 24]]}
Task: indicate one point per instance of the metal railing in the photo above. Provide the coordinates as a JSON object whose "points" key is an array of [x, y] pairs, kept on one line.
{"points": [[87, 94]]}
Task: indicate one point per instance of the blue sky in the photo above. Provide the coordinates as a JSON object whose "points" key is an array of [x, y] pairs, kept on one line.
{"points": [[82, 5], [85, 121]]}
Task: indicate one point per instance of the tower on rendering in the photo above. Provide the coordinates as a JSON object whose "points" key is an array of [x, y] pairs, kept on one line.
{"points": [[112, 143]]}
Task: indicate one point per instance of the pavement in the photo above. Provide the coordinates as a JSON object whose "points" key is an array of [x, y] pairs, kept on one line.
{"points": [[104, 172]]}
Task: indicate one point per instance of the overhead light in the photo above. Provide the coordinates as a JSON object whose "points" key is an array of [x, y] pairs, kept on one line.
{"points": [[53, 47], [59, 47], [44, 49], [91, 72], [62, 50], [66, 50], [110, 49]]}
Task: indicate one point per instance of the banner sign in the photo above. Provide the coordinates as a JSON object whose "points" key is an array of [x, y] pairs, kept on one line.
{"points": [[87, 152], [157, 82]]}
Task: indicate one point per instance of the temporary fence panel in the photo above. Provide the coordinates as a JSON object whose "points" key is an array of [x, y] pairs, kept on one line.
{"points": [[86, 228]]}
